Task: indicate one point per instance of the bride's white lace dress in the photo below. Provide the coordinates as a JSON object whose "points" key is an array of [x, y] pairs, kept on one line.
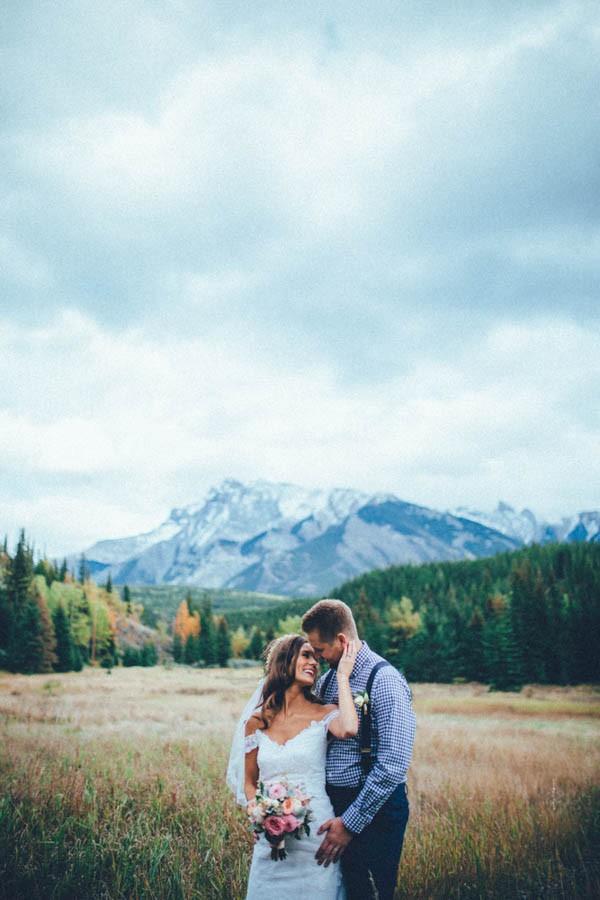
{"points": [[301, 760]]}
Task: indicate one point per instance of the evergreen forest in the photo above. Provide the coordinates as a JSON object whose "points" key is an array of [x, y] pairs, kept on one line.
{"points": [[531, 616], [54, 620]]}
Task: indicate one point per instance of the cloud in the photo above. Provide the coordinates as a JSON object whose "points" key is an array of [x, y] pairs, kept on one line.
{"points": [[284, 133], [322, 144], [165, 419], [355, 248], [22, 266], [324, 195]]}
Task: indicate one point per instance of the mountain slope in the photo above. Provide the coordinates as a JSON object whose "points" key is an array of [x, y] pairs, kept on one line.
{"points": [[284, 539]]}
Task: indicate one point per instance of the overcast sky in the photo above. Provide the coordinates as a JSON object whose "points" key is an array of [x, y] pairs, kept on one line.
{"points": [[337, 244]]}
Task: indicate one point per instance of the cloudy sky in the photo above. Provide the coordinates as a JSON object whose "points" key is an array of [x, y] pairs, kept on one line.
{"points": [[338, 244]]}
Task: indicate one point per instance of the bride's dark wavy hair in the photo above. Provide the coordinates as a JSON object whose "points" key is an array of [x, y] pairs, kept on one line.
{"points": [[281, 657]]}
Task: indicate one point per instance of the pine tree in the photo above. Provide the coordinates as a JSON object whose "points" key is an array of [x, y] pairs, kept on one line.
{"points": [[108, 586], [6, 629], [19, 574], [25, 642], [191, 651], [501, 649], [529, 620], [223, 642], [48, 658], [77, 660], [256, 646], [28, 650], [177, 649], [64, 569], [475, 663], [6, 611], [131, 656], [127, 600], [190, 603], [65, 648], [208, 635], [149, 656], [369, 624], [84, 571]]}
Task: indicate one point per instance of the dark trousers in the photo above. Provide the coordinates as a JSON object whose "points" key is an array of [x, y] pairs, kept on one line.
{"points": [[370, 861]]}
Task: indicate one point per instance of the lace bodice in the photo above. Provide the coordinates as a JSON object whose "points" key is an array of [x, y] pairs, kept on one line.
{"points": [[301, 758]]}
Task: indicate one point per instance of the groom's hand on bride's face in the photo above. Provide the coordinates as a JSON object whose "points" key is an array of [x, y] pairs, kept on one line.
{"points": [[333, 845]]}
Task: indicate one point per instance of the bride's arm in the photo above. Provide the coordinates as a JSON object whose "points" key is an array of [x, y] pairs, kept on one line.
{"points": [[346, 724], [251, 762]]}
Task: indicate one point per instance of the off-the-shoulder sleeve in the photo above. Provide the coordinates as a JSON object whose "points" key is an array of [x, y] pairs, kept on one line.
{"points": [[251, 742], [329, 717]]}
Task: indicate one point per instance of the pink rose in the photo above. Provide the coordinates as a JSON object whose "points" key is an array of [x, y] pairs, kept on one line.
{"points": [[274, 826], [290, 823], [276, 791]]}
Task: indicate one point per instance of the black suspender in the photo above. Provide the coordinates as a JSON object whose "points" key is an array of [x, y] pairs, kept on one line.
{"points": [[365, 731]]}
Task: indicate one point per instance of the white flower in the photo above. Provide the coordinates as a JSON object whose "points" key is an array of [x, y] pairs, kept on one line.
{"points": [[362, 700], [254, 812]]}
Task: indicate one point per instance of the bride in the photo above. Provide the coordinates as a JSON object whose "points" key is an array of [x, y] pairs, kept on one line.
{"points": [[283, 733]]}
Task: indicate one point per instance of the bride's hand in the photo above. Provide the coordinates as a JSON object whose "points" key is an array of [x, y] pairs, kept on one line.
{"points": [[348, 658]]}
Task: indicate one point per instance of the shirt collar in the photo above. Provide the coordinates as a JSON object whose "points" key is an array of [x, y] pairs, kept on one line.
{"points": [[362, 658]]}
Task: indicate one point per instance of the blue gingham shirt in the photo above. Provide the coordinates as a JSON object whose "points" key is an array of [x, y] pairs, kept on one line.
{"points": [[392, 736]]}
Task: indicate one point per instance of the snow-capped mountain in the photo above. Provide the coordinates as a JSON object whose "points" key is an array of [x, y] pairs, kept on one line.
{"points": [[286, 539], [520, 525], [525, 527]]}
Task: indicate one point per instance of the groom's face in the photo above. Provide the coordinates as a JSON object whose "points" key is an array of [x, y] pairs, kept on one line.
{"points": [[330, 651]]}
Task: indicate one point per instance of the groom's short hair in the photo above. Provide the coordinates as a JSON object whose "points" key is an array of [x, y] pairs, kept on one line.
{"points": [[330, 617]]}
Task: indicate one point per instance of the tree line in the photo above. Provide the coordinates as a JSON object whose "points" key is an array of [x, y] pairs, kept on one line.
{"points": [[56, 620], [530, 616], [52, 620], [200, 638]]}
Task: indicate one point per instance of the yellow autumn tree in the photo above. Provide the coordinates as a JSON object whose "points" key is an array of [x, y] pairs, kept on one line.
{"points": [[186, 624], [403, 619], [239, 641], [403, 623]]}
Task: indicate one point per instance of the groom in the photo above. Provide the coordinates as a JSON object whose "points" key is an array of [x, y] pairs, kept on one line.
{"points": [[366, 775]]}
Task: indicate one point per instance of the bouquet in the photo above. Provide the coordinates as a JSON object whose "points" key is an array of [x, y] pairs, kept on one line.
{"points": [[278, 810]]}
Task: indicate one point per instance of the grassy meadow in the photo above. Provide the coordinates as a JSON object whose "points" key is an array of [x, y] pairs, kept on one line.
{"points": [[111, 786]]}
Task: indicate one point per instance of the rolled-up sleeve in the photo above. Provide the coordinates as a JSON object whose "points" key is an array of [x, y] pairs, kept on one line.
{"points": [[393, 734]]}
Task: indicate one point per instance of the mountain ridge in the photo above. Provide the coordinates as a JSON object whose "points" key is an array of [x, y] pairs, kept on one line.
{"points": [[285, 539], [525, 526]]}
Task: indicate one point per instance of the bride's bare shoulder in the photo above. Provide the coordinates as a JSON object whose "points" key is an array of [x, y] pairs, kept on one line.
{"points": [[254, 723], [325, 710]]}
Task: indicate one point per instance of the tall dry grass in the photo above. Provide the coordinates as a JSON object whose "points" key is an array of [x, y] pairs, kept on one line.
{"points": [[112, 787]]}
